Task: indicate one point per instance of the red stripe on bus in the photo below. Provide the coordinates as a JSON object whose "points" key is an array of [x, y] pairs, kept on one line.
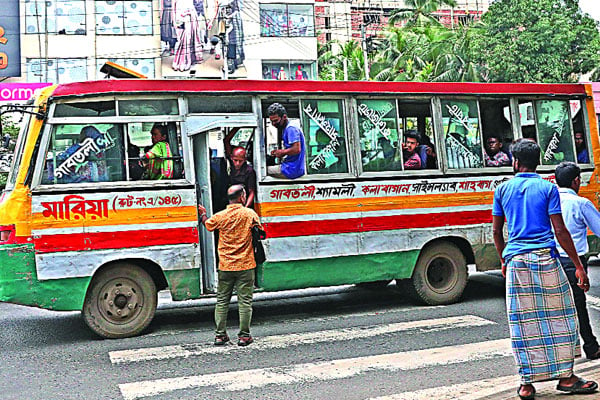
{"points": [[350, 225], [114, 240]]}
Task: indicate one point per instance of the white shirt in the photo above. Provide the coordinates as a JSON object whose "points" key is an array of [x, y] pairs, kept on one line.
{"points": [[579, 214]]}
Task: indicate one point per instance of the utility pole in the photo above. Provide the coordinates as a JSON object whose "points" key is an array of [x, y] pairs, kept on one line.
{"points": [[364, 48]]}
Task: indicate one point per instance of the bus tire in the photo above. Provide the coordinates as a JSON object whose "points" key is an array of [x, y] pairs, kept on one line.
{"points": [[120, 301], [440, 275]]}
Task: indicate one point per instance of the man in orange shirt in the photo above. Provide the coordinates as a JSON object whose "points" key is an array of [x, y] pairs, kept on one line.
{"points": [[236, 262]]}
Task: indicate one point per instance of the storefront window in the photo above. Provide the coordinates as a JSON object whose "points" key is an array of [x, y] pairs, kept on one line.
{"points": [[283, 70], [287, 20], [124, 17], [56, 70], [144, 66], [60, 17]]}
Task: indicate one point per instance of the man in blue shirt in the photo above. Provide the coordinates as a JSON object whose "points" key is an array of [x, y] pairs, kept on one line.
{"points": [[540, 307], [579, 214], [292, 156]]}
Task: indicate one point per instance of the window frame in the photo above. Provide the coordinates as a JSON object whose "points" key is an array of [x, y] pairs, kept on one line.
{"points": [[124, 19], [28, 62], [179, 120], [45, 20], [287, 13]]}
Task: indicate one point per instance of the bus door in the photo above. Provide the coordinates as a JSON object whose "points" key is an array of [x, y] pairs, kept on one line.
{"points": [[210, 164]]}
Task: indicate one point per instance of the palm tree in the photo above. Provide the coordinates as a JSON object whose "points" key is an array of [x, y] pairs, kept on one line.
{"points": [[419, 12], [333, 56]]}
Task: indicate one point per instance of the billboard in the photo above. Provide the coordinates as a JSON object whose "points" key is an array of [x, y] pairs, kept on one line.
{"points": [[18, 92], [10, 45]]}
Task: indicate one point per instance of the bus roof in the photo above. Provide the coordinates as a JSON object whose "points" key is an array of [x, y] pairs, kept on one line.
{"points": [[127, 86]]}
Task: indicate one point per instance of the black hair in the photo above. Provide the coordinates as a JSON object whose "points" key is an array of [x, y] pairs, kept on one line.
{"points": [[276, 109], [565, 173], [162, 129], [413, 135], [527, 152]]}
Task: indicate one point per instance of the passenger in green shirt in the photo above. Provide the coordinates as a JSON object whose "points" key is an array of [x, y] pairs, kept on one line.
{"points": [[158, 162]]}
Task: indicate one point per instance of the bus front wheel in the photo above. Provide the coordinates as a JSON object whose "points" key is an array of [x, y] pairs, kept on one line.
{"points": [[120, 301], [440, 275]]}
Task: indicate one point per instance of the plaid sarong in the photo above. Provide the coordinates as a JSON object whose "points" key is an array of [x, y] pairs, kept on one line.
{"points": [[541, 316]]}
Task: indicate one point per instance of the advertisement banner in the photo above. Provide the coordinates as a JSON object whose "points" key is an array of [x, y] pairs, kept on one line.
{"points": [[19, 91], [10, 44]]}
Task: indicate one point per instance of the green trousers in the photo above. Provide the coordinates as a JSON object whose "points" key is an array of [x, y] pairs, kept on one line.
{"points": [[243, 282]]}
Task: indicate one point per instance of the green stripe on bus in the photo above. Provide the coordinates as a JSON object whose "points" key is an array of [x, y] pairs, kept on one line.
{"points": [[284, 275], [184, 284], [19, 283]]}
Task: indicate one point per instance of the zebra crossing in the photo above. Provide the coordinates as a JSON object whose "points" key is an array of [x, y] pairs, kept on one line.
{"points": [[327, 371]]}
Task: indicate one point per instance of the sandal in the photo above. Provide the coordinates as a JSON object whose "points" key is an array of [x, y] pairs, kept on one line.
{"points": [[594, 356], [578, 387], [530, 397], [221, 340]]}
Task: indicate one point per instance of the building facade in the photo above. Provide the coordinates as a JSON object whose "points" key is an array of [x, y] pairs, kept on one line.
{"points": [[69, 40]]}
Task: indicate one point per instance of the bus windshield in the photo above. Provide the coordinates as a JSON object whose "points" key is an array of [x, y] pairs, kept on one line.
{"points": [[18, 153]]}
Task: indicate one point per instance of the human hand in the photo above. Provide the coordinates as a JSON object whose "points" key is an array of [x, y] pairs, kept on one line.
{"points": [[201, 209], [503, 269], [582, 279]]}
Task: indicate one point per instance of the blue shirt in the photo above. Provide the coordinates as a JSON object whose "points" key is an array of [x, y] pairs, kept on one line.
{"points": [[583, 157], [579, 214], [527, 201], [293, 166]]}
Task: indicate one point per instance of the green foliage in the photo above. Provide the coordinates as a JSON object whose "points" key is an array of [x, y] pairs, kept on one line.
{"points": [[537, 41], [334, 54], [9, 126], [418, 12], [3, 178]]}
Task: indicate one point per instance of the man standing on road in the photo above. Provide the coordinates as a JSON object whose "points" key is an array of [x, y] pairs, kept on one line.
{"points": [[541, 311], [236, 262], [579, 214]]}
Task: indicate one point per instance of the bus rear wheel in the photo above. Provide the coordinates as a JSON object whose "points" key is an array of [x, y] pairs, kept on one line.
{"points": [[120, 301], [440, 276]]}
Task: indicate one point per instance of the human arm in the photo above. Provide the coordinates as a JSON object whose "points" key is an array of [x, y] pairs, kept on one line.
{"points": [[564, 239], [227, 141], [202, 212], [413, 162], [294, 149], [499, 243], [591, 217]]}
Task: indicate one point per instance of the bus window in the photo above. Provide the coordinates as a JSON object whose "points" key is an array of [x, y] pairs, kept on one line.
{"points": [[154, 151], [497, 132], [555, 135], [86, 109], [461, 129], [579, 135], [378, 130], [219, 104], [148, 107], [325, 136], [415, 115], [84, 153]]}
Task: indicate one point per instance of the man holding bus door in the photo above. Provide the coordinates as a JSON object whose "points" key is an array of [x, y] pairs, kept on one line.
{"points": [[236, 262], [292, 156], [539, 301]]}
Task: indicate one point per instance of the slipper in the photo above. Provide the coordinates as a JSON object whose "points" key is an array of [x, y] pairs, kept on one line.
{"points": [[530, 397], [594, 356], [578, 387]]}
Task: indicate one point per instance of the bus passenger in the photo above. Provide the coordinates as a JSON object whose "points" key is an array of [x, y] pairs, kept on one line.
{"points": [[293, 154], [157, 160], [93, 169], [583, 157], [239, 170], [494, 156], [411, 157]]}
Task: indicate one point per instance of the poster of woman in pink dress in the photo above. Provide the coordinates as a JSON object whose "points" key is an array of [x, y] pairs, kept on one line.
{"points": [[190, 27]]}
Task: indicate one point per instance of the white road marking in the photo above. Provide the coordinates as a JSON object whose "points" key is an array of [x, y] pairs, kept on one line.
{"points": [[321, 371], [593, 301], [295, 339], [465, 391]]}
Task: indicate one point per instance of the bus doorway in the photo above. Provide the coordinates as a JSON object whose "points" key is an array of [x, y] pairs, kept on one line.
{"points": [[211, 170]]}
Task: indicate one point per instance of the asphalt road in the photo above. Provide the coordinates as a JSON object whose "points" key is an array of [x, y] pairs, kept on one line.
{"points": [[335, 343]]}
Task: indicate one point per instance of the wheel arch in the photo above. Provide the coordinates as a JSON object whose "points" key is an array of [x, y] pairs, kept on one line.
{"points": [[152, 268], [461, 243]]}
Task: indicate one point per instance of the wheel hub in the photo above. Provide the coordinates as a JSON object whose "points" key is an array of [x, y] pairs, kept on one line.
{"points": [[120, 301]]}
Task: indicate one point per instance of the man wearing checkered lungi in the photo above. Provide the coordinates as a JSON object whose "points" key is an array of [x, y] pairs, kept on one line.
{"points": [[541, 312]]}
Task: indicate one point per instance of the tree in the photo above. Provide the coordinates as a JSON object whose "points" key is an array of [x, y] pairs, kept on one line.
{"points": [[334, 54], [537, 41], [419, 12]]}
